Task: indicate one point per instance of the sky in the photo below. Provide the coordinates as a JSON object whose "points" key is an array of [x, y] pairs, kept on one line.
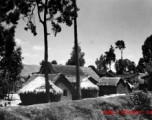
{"points": [[100, 24]]}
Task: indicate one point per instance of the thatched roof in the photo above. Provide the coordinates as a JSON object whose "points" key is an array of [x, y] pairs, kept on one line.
{"points": [[70, 71], [52, 77], [72, 79], [38, 85], [126, 76], [67, 70], [87, 84], [109, 81]]}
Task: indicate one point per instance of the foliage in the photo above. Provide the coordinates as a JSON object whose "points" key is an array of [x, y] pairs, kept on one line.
{"points": [[9, 14], [141, 66], [54, 62], [10, 54], [72, 60], [148, 67], [147, 49], [120, 45], [101, 63], [110, 56], [125, 65], [141, 101], [11, 60], [55, 11]]}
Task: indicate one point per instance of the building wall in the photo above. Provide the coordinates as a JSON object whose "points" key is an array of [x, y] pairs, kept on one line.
{"points": [[64, 87], [121, 88], [107, 90]]}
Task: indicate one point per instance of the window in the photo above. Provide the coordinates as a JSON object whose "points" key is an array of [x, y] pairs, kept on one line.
{"points": [[65, 93]]}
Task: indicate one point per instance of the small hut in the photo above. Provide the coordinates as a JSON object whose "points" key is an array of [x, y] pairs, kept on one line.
{"points": [[88, 89], [34, 92]]}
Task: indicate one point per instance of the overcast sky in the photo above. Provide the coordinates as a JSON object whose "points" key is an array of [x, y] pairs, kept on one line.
{"points": [[100, 24]]}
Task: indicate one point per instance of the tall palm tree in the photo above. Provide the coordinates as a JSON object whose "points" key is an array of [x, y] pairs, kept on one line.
{"points": [[121, 45]]}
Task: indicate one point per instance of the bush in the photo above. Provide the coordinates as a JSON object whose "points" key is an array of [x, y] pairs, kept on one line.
{"points": [[141, 101]]}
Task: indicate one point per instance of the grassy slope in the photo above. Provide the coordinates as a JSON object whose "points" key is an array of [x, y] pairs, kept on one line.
{"points": [[86, 109], [28, 69]]}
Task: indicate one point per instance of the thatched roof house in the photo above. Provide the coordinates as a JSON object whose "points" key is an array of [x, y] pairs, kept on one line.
{"points": [[88, 89], [60, 81], [34, 91], [87, 84], [111, 85]]}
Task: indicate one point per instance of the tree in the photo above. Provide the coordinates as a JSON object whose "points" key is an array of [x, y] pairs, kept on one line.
{"points": [[72, 60], [110, 56], [11, 60], [147, 49], [54, 62], [125, 65], [101, 63], [53, 11], [121, 45], [10, 54], [141, 66]]}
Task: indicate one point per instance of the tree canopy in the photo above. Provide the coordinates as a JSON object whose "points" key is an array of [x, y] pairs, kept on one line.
{"points": [[147, 49], [72, 60], [125, 65], [141, 66], [110, 56], [101, 63], [120, 44], [10, 53], [54, 62]]}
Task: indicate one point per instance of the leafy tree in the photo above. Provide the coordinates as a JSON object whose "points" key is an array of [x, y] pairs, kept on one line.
{"points": [[110, 56], [10, 54], [141, 66], [120, 45], [72, 60], [125, 65], [54, 62], [11, 60], [148, 67], [132, 67], [53, 11], [147, 49], [101, 63]]}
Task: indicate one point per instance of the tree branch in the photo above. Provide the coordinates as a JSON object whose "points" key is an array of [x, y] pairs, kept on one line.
{"points": [[39, 12]]}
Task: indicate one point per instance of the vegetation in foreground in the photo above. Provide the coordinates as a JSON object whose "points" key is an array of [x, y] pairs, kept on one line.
{"points": [[86, 109]]}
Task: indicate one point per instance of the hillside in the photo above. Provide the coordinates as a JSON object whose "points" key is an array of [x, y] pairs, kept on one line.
{"points": [[28, 69], [86, 109]]}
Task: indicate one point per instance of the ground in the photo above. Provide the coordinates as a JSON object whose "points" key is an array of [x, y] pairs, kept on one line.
{"points": [[16, 99]]}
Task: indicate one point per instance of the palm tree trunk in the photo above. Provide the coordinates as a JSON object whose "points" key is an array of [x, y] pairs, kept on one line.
{"points": [[121, 54]]}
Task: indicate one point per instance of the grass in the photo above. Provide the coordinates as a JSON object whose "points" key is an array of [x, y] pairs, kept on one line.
{"points": [[86, 109]]}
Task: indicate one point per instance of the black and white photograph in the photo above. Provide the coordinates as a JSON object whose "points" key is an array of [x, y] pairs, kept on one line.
{"points": [[75, 59]]}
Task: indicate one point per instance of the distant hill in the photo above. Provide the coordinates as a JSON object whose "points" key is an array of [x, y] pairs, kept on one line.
{"points": [[28, 69]]}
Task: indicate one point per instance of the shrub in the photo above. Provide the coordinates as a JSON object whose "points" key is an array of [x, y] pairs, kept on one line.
{"points": [[141, 101]]}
